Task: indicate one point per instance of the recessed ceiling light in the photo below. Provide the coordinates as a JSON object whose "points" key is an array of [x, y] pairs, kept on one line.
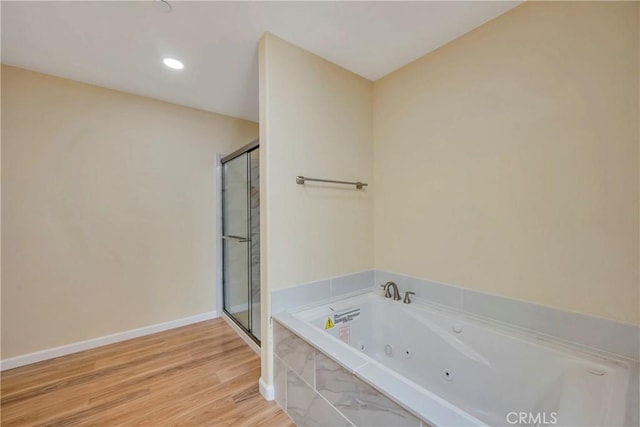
{"points": [[173, 63]]}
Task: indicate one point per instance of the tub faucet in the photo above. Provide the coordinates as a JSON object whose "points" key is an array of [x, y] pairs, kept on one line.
{"points": [[387, 291]]}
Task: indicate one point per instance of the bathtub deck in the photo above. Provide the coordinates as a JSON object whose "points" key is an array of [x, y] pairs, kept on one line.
{"points": [[201, 374]]}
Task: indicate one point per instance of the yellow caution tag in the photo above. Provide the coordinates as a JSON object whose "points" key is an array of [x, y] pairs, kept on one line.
{"points": [[329, 323]]}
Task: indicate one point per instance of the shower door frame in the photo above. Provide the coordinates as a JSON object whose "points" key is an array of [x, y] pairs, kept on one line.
{"points": [[246, 150]]}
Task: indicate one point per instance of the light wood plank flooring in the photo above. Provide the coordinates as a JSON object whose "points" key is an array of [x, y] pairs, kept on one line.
{"points": [[197, 375]]}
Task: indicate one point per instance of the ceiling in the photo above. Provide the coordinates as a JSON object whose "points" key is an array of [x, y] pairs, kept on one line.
{"points": [[120, 44]]}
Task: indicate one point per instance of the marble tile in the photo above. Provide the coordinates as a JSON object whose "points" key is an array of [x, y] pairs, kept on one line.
{"points": [[307, 408], [438, 293], [614, 337], [358, 401], [352, 282], [300, 295], [280, 381], [295, 353]]}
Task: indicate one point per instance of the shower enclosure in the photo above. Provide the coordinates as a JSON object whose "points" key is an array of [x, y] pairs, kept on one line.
{"points": [[241, 238]]}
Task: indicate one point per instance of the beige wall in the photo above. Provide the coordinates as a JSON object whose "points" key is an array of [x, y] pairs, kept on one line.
{"points": [[507, 160], [319, 125], [315, 121], [108, 210]]}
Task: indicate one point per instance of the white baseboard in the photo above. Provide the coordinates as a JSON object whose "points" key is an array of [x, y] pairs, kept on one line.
{"points": [[52, 353], [267, 391], [242, 334]]}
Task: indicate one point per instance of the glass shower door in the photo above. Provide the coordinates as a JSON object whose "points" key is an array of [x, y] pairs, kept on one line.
{"points": [[241, 240]]}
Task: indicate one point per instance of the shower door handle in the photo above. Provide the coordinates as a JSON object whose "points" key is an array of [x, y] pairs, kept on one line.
{"points": [[237, 238]]}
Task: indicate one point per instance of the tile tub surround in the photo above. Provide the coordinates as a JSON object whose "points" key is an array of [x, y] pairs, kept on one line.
{"points": [[316, 391], [295, 353], [362, 404], [593, 333], [299, 295]]}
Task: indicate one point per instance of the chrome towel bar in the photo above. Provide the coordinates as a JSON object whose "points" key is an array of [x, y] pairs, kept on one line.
{"points": [[301, 180]]}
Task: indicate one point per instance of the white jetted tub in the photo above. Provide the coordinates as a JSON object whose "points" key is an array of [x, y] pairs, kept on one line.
{"points": [[449, 368]]}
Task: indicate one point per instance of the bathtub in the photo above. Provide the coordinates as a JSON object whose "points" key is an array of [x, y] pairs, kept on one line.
{"points": [[450, 368]]}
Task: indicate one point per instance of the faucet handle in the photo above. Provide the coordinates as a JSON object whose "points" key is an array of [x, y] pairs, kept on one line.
{"points": [[407, 300]]}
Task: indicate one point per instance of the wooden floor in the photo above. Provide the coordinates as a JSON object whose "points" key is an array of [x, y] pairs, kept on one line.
{"points": [[198, 375]]}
